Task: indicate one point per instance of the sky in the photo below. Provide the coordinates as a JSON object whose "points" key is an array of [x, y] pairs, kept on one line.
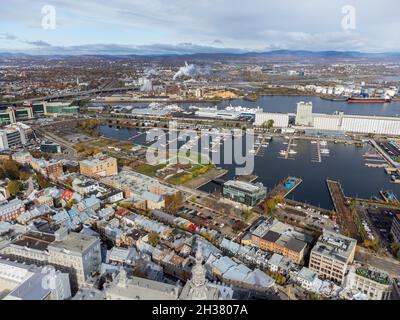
{"points": [[188, 26]]}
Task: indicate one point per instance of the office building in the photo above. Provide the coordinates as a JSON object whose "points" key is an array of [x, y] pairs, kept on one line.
{"points": [[100, 166], [50, 147], [304, 116], [331, 256], [28, 282], [12, 136], [244, 192], [59, 108], [74, 253], [376, 284], [142, 188]]}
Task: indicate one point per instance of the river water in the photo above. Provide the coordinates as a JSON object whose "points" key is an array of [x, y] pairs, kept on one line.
{"points": [[344, 163]]}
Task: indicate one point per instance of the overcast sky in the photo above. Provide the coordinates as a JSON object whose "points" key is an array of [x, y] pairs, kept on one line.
{"points": [[186, 26]]}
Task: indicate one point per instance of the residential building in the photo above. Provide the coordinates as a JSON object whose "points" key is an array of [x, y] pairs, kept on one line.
{"points": [[11, 210], [331, 255], [376, 284], [273, 235], [244, 192], [100, 166], [52, 169]]}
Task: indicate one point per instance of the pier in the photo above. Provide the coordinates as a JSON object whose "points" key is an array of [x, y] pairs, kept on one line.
{"points": [[344, 214], [285, 187], [136, 135]]}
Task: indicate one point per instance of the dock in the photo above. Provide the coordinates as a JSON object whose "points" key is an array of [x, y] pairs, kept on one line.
{"points": [[344, 214], [317, 157], [136, 135], [285, 187]]}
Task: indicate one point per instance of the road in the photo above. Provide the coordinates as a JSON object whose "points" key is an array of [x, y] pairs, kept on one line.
{"points": [[389, 265]]}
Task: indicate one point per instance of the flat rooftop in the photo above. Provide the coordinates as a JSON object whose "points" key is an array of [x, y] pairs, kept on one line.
{"points": [[35, 240], [335, 245], [243, 186], [75, 242]]}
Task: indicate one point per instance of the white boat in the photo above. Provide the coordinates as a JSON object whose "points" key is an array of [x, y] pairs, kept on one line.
{"points": [[265, 145], [282, 152], [323, 143], [292, 151], [287, 137], [313, 142], [252, 151], [325, 151], [294, 145], [285, 143]]}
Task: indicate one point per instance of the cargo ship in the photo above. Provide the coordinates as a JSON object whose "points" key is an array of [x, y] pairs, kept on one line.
{"points": [[368, 100]]}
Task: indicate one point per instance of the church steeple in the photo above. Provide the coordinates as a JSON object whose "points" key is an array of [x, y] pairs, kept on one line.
{"points": [[199, 280]]}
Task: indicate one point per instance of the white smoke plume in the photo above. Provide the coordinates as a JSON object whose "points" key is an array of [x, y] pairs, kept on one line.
{"points": [[150, 71], [190, 70]]}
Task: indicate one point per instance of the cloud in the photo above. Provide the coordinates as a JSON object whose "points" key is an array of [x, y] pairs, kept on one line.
{"points": [[311, 25]]}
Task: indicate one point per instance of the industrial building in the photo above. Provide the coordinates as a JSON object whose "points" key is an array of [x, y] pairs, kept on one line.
{"points": [[304, 116], [331, 256], [281, 120], [244, 192]]}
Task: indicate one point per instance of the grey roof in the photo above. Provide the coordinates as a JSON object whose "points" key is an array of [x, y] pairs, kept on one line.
{"points": [[74, 242], [296, 245]]}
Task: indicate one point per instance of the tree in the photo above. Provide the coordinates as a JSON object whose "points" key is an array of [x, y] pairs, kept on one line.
{"points": [[173, 202], [14, 187], [247, 214], [42, 181], [153, 239], [271, 203], [268, 124], [10, 169]]}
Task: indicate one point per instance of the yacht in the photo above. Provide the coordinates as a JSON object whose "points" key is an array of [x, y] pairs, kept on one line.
{"points": [[252, 151], [323, 143], [325, 151], [282, 152], [291, 151], [313, 142]]}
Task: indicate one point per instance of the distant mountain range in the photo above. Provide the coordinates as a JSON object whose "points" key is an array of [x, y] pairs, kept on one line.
{"points": [[275, 55]]}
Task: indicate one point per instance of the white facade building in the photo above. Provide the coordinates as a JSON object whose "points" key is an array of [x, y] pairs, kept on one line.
{"points": [[304, 116], [28, 282], [281, 120]]}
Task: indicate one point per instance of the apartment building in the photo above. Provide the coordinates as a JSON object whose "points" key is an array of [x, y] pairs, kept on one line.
{"points": [[51, 169], [11, 210], [331, 256], [273, 235], [100, 166]]}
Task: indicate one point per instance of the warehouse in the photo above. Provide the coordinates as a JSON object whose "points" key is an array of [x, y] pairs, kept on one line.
{"points": [[281, 120]]}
